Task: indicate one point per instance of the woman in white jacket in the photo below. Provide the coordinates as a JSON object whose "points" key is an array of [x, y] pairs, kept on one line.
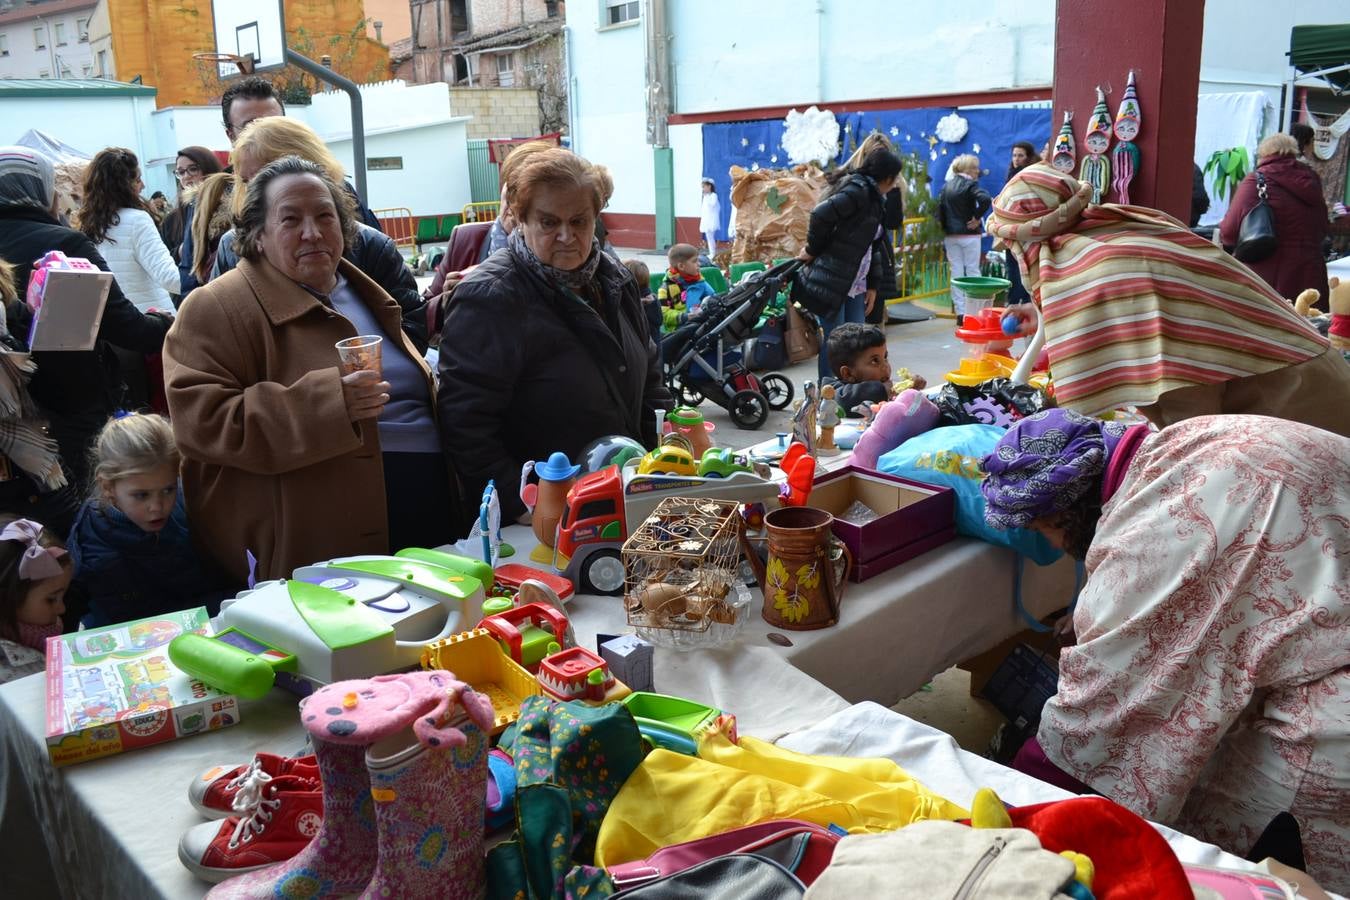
{"points": [[118, 221]]}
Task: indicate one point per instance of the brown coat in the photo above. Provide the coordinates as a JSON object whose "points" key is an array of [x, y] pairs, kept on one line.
{"points": [[271, 463]]}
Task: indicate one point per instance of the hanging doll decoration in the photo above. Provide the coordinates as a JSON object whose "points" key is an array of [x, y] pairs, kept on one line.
{"points": [[1126, 154], [1062, 157], [1095, 170]]}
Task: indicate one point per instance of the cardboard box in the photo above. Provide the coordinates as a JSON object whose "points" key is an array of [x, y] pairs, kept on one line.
{"points": [[67, 296], [913, 518], [113, 689]]}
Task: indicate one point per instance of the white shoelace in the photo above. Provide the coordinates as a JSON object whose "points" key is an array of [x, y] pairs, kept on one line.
{"points": [[251, 804]]}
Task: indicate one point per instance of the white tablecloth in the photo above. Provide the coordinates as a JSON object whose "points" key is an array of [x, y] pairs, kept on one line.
{"points": [[110, 827], [896, 630]]}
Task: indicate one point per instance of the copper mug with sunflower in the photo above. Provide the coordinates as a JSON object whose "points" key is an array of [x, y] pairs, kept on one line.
{"points": [[803, 578]]}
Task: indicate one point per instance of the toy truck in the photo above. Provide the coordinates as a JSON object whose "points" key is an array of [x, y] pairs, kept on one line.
{"points": [[603, 506]]}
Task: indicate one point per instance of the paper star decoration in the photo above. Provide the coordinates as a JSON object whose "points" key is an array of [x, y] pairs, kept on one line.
{"points": [[745, 142], [909, 137], [896, 131], [761, 148], [754, 167], [975, 148], [932, 141], [932, 154], [774, 158]]}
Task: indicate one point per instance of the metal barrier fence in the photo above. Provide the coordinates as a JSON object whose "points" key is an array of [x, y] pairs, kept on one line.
{"points": [[399, 224], [922, 261], [484, 179], [485, 211]]}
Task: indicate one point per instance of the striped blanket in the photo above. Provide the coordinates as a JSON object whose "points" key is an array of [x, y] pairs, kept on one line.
{"points": [[1135, 305]]}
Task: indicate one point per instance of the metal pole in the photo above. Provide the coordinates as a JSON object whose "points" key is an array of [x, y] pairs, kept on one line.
{"points": [[306, 64]]}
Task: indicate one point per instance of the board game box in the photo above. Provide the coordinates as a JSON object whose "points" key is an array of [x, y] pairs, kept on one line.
{"points": [[114, 689]]}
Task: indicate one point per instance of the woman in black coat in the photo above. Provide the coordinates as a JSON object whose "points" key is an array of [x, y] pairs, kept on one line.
{"points": [[839, 284], [545, 346], [77, 390]]}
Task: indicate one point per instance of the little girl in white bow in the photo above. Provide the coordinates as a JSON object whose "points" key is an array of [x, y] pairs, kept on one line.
{"points": [[34, 574]]}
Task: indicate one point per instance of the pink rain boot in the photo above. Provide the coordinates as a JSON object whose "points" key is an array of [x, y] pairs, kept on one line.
{"points": [[344, 719], [429, 806]]}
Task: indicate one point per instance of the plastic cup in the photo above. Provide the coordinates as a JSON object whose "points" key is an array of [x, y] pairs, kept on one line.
{"points": [[360, 354]]}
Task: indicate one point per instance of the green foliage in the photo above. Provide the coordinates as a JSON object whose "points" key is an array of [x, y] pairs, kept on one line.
{"points": [[920, 202], [1226, 169]]}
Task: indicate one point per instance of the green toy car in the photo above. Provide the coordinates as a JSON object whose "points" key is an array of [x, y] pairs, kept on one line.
{"points": [[719, 462]]}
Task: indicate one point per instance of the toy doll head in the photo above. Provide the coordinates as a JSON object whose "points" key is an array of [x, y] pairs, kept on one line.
{"points": [[135, 462], [34, 574]]}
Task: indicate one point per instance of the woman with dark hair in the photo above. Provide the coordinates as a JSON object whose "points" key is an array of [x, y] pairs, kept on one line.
{"points": [[191, 167], [545, 345], [1210, 683], [1023, 155], [77, 390], [119, 223], [285, 457], [839, 283]]}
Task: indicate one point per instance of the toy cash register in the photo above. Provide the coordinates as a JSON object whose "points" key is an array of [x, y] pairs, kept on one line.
{"points": [[345, 618]]}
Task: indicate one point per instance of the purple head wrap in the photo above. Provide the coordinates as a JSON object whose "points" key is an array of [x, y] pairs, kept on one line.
{"points": [[1046, 463], [38, 562]]}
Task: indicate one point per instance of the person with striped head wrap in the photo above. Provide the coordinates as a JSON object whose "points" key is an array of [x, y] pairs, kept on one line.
{"points": [[1139, 311]]}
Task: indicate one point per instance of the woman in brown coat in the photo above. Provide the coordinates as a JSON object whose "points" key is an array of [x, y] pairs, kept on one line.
{"points": [[1294, 193], [285, 457]]}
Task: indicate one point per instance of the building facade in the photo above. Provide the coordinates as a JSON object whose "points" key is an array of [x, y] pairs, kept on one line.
{"points": [[155, 41], [499, 44], [47, 39]]}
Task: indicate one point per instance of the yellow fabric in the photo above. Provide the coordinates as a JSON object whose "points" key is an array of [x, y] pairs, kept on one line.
{"points": [[672, 798]]}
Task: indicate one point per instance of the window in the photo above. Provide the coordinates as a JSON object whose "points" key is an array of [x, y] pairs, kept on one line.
{"points": [[65, 71], [39, 38], [103, 69], [595, 509], [383, 163], [4, 45], [87, 70], [44, 73], [82, 28], [506, 70], [59, 32], [619, 12]]}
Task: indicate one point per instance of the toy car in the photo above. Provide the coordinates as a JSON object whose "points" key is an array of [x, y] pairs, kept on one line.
{"points": [[667, 460], [719, 462]]}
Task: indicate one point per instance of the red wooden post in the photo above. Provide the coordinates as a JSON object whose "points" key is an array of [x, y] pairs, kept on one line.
{"points": [[1099, 43]]}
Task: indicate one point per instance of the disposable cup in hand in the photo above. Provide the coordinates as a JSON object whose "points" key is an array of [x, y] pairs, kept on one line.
{"points": [[360, 354]]}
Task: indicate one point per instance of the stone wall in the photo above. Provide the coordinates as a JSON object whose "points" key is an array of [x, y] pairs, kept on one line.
{"points": [[497, 112]]}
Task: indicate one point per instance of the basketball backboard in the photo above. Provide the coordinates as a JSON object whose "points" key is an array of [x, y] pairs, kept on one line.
{"points": [[246, 28]]}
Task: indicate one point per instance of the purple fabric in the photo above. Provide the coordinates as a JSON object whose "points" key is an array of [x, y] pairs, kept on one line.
{"points": [[1031, 760], [1044, 464]]}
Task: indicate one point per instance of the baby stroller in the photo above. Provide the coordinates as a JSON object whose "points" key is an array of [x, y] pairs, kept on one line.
{"points": [[698, 363]]}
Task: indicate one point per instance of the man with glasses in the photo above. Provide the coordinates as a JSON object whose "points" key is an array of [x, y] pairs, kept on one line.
{"points": [[244, 101]]}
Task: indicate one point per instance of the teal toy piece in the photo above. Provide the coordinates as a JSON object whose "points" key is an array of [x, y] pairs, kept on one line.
{"points": [[981, 287], [670, 723], [232, 661]]}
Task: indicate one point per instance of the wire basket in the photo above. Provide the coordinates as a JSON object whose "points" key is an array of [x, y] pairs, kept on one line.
{"points": [[681, 566]]}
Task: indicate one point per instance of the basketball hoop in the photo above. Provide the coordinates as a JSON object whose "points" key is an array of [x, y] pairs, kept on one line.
{"points": [[243, 63]]}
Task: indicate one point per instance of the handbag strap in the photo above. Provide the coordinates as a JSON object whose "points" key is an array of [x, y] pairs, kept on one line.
{"points": [[1261, 186]]}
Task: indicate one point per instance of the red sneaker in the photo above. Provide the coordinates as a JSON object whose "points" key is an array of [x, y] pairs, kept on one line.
{"points": [[274, 820], [212, 793]]}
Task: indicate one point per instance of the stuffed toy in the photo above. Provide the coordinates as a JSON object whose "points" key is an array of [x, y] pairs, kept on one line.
{"points": [[1304, 302], [1340, 314], [897, 421], [1116, 854]]}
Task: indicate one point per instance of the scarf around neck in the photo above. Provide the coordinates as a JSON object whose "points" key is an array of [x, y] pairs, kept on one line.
{"points": [[576, 279], [35, 636]]}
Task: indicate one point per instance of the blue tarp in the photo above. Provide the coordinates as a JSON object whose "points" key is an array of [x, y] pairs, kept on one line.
{"points": [[991, 135]]}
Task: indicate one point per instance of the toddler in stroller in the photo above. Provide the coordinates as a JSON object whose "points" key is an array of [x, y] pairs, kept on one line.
{"points": [[697, 363]]}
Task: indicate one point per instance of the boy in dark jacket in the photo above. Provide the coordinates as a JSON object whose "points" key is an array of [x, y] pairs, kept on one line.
{"points": [[862, 367]]}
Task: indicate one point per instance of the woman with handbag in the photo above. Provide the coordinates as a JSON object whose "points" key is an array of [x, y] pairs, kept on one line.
{"points": [[1293, 194], [839, 283]]}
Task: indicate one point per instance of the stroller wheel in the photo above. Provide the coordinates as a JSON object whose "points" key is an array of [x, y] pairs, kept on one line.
{"points": [[777, 389], [749, 409], [690, 396]]}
